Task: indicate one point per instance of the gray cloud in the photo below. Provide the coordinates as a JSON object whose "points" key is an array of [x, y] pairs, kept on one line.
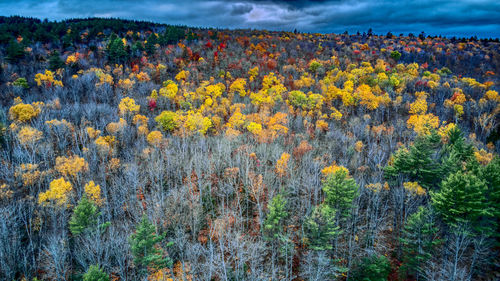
{"points": [[241, 9], [447, 17]]}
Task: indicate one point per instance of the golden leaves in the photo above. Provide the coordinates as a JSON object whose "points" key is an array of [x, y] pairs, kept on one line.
{"points": [[71, 166], [57, 194], [421, 122], [93, 192], [419, 106], [47, 79], [105, 144], [21, 112], [128, 105], [28, 136], [483, 157], [332, 169], [282, 164], [238, 86], [414, 188], [155, 138]]}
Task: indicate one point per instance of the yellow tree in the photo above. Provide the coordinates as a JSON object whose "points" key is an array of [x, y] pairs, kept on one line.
{"points": [[93, 192], [58, 193], [282, 164], [127, 105]]}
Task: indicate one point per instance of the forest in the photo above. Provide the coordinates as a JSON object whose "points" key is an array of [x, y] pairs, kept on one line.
{"points": [[132, 150]]}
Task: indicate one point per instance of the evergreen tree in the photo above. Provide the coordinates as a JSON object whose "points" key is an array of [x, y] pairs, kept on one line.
{"points": [[116, 50], [320, 227], [273, 224], [15, 51], [137, 49], [145, 248], [94, 273], [55, 61], [372, 268], [491, 175], [418, 241], [461, 199], [340, 191], [150, 45], [417, 164], [84, 216], [457, 153]]}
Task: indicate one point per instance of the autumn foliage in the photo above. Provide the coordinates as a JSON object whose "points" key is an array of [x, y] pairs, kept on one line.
{"points": [[201, 154]]}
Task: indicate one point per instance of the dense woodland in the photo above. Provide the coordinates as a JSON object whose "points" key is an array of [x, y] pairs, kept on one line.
{"points": [[140, 151]]}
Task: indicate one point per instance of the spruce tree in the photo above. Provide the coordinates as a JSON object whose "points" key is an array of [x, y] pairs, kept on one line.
{"points": [[145, 249], [372, 268], [419, 238], [340, 191], [116, 50], [84, 216], [55, 61], [273, 224], [320, 227], [461, 199], [150, 45], [457, 153], [491, 175], [15, 51], [417, 164], [94, 273]]}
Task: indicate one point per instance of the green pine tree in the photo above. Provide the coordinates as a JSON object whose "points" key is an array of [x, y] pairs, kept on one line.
{"points": [[144, 244], [321, 228], [84, 216], [116, 50], [461, 200], [417, 163], [457, 153], [55, 61], [340, 191], [372, 268], [491, 175], [150, 45], [273, 224], [94, 273], [419, 238], [15, 51]]}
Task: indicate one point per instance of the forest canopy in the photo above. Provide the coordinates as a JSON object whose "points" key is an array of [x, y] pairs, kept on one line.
{"points": [[132, 150]]}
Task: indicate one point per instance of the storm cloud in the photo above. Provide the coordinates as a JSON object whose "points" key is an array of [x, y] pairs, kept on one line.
{"points": [[450, 18]]}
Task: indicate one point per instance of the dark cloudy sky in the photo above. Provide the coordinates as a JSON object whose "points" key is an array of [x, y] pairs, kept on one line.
{"points": [[447, 17]]}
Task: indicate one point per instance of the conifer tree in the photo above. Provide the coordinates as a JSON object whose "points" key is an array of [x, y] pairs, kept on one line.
{"points": [[144, 245], [461, 200], [273, 224], [55, 61], [419, 238], [94, 273], [417, 164], [84, 216], [372, 268], [320, 227], [340, 191], [150, 44], [116, 50], [15, 51], [457, 153], [491, 175]]}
